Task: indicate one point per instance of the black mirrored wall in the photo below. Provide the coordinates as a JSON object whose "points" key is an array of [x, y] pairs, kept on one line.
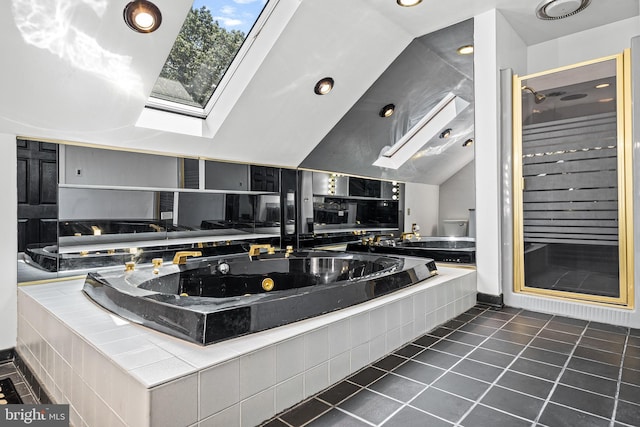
{"points": [[340, 209], [97, 207]]}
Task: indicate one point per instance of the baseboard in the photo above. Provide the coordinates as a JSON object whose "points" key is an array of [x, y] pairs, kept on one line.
{"points": [[492, 300], [7, 355], [37, 389]]}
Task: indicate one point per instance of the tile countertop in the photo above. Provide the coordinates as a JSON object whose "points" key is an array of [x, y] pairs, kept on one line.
{"points": [[154, 358]]}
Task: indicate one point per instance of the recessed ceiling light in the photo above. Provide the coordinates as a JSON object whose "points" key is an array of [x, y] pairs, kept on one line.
{"points": [[142, 16], [602, 85], [465, 50], [387, 110], [605, 100], [408, 3], [323, 86], [467, 143], [446, 133]]}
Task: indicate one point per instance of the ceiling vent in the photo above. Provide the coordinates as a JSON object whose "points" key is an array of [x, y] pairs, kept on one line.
{"points": [[558, 9]]}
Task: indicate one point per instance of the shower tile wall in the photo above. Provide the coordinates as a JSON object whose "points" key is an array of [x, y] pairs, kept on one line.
{"points": [[109, 369]]}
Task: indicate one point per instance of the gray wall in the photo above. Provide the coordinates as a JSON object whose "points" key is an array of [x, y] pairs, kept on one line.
{"points": [[457, 196], [421, 207], [110, 167], [195, 207], [82, 203]]}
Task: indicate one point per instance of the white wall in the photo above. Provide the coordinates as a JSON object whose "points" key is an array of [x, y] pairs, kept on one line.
{"points": [[488, 237], [457, 196], [512, 59], [9, 246], [595, 43], [421, 207]]}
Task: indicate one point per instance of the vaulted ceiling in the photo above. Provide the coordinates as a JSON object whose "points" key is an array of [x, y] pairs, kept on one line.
{"points": [[73, 71]]}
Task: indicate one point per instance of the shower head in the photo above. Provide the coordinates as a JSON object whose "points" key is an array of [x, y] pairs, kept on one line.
{"points": [[538, 97]]}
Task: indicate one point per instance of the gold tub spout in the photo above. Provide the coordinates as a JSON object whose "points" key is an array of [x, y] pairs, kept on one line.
{"points": [[379, 237], [254, 250], [181, 256]]}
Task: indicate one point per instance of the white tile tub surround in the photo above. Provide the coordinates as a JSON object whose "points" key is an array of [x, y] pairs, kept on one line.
{"points": [[109, 369]]}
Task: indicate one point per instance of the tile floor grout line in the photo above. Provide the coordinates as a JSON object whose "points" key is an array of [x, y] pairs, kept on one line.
{"points": [[562, 370], [619, 383], [486, 338], [504, 370], [545, 326], [372, 365], [344, 412], [407, 403]]}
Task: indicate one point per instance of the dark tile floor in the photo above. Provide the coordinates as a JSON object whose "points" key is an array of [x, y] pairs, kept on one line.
{"points": [[491, 368], [8, 370]]}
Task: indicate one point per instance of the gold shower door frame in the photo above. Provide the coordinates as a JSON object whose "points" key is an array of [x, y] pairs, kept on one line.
{"points": [[625, 191]]}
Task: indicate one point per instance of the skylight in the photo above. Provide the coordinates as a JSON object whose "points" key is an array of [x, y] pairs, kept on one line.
{"points": [[211, 37]]}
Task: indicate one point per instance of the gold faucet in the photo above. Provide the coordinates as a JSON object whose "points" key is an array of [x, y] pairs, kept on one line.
{"points": [[379, 237], [289, 251], [407, 236], [181, 256], [156, 227], [254, 250]]}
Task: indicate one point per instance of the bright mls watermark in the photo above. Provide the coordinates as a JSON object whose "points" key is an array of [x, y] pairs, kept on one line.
{"points": [[34, 415]]}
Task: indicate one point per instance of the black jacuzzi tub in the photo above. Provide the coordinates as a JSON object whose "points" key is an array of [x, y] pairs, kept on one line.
{"points": [[459, 250], [221, 297]]}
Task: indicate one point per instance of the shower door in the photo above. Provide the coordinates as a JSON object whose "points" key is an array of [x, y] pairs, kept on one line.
{"points": [[572, 179]]}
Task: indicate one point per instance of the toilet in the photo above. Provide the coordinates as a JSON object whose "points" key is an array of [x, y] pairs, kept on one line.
{"points": [[455, 227]]}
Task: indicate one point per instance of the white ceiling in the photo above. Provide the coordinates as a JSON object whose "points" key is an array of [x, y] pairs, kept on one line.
{"points": [[73, 71]]}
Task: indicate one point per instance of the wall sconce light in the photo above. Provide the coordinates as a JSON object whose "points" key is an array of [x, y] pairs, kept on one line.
{"points": [[142, 16], [395, 190], [332, 184], [323, 86]]}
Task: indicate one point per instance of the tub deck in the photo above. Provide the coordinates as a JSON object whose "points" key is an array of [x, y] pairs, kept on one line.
{"points": [[129, 375]]}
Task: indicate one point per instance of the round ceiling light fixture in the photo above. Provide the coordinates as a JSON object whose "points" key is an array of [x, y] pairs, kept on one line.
{"points": [[142, 16], [558, 9], [323, 86], [465, 50], [387, 110], [408, 3]]}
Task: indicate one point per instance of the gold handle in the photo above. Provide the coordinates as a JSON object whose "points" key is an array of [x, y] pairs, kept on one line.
{"points": [[181, 256], [157, 262], [129, 266], [254, 250]]}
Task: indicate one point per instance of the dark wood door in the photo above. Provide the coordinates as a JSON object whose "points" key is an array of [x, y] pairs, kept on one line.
{"points": [[264, 178], [37, 193]]}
